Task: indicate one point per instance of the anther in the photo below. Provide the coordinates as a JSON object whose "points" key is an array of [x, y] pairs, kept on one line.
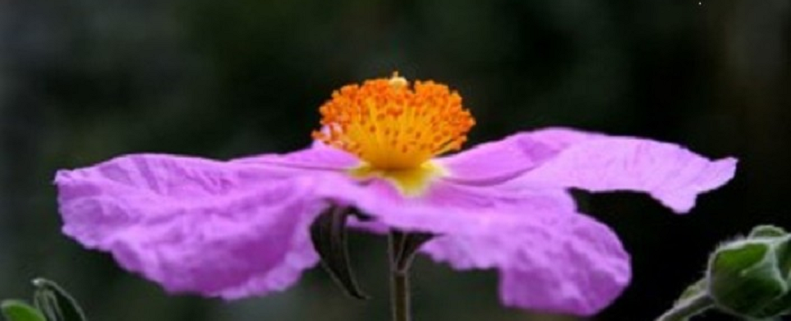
{"points": [[398, 82]]}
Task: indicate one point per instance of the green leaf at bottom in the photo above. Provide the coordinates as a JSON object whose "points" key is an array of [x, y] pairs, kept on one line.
{"points": [[15, 310]]}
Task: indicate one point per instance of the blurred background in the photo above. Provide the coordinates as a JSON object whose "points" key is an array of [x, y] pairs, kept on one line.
{"points": [[85, 80]]}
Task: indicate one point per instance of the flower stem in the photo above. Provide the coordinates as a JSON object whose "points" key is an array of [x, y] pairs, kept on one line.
{"points": [[688, 308], [399, 280]]}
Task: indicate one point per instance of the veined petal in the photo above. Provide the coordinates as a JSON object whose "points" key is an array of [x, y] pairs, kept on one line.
{"points": [[446, 207], [193, 225], [581, 269], [670, 173], [318, 156], [568, 158], [494, 162], [555, 262], [566, 261]]}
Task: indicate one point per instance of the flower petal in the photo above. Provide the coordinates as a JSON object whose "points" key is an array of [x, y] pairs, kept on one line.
{"points": [[555, 262], [495, 162], [580, 270], [318, 157], [498, 161], [570, 158], [668, 172], [447, 207], [193, 225], [569, 262]]}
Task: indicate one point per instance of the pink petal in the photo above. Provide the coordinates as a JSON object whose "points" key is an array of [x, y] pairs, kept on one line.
{"points": [[448, 207], [566, 263], [498, 161], [577, 266], [568, 158], [668, 172], [193, 225], [494, 162], [318, 157], [532, 234]]}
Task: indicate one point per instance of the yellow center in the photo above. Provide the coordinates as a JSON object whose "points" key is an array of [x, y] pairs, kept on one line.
{"points": [[395, 128]]}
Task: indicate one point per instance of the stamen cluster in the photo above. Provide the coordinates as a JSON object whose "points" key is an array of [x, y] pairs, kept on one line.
{"points": [[393, 126]]}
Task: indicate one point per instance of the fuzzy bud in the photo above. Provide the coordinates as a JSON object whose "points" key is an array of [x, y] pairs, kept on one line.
{"points": [[750, 277]]}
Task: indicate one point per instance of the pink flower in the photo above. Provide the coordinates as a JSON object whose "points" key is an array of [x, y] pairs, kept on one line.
{"points": [[239, 228]]}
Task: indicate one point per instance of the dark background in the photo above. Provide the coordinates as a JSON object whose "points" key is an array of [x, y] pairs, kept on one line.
{"points": [[85, 80]]}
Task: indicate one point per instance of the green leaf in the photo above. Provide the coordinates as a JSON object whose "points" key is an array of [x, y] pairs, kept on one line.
{"points": [[15, 310], [55, 302]]}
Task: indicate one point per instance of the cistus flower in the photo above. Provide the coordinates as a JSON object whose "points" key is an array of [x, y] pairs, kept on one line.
{"points": [[239, 228]]}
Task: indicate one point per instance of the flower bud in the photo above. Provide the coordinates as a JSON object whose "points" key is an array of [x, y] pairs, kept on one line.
{"points": [[750, 277]]}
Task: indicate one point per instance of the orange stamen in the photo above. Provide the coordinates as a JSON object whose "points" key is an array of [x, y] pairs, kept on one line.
{"points": [[393, 126]]}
